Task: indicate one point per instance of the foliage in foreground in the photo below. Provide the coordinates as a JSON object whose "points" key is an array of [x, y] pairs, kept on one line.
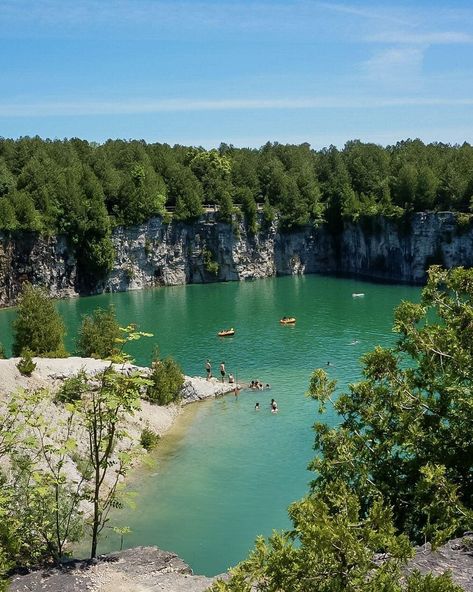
{"points": [[38, 326], [42, 491], [397, 468], [405, 429]]}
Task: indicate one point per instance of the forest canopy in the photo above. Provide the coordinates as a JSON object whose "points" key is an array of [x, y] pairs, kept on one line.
{"points": [[84, 189]]}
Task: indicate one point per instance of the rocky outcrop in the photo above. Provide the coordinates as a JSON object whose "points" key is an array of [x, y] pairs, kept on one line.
{"points": [[46, 261], [142, 569], [378, 248], [402, 251], [456, 556], [148, 569], [156, 253]]}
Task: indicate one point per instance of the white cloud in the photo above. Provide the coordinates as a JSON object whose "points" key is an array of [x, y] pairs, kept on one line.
{"points": [[365, 12], [124, 107], [395, 65], [419, 38]]}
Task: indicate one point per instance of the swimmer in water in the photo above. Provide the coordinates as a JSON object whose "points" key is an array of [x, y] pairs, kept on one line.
{"points": [[257, 407]]}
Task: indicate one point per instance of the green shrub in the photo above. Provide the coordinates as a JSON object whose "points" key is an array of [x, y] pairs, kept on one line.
{"points": [[268, 215], [3, 353], [148, 247], [167, 381], [38, 326], [463, 220], [167, 218], [210, 265], [129, 273], [99, 334], [149, 439], [26, 366], [72, 388]]}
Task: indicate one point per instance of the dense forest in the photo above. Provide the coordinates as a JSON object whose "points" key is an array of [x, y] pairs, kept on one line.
{"points": [[84, 190]]}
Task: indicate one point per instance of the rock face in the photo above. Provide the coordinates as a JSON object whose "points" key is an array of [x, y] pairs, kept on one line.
{"points": [[156, 254], [42, 261], [148, 569], [142, 569], [455, 556]]}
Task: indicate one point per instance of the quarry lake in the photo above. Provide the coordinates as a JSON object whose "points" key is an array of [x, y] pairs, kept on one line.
{"points": [[225, 472]]}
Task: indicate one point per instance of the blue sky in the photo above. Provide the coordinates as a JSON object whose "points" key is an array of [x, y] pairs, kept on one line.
{"points": [[203, 72]]}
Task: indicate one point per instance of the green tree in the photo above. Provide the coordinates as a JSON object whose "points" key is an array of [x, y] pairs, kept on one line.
{"points": [[8, 219], [99, 334], [335, 550], [166, 381], [24, 519], [404, 428], [249, 208], [426, 193], [47, 499], [27, 216], [110, 398], [405, 185], [185, 193], [38, 326], [214, 172]]}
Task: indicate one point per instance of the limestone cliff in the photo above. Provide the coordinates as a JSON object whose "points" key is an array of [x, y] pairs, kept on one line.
{"points": [[156, 254]]}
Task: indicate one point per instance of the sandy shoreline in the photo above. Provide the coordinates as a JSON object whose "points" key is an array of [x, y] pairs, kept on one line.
{"points": [[51, 372]]}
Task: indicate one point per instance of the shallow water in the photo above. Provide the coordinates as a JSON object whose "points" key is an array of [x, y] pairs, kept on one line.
{"points": [[227, 473]]}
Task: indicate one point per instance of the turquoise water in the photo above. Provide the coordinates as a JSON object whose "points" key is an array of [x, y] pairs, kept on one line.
{"points": [[227, 473]]}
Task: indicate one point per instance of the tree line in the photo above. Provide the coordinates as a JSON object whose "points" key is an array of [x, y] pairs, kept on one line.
{"points": [[83, 189]]}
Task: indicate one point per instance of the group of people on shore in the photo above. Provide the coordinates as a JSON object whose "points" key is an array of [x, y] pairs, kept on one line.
{"points": [[223, 372], [254, 384]]}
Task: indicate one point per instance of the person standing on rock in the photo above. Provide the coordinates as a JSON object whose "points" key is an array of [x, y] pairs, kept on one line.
{"points": [[222, 371], [208, 368]]}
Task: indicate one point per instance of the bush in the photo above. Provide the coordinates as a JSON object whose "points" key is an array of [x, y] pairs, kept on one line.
{"points": [[98, 334], [38, 326], [3, 353], [463, 220], [167, 381], [26, 366], [210, 265], [72, 388], [149, 439]]}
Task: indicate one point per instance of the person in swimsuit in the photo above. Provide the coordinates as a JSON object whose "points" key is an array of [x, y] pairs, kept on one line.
{"points": [[222, 371], [208, 368]]}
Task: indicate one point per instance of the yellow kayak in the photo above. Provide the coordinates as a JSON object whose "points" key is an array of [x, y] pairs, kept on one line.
{"points": [[226, 332], [287, 321]]}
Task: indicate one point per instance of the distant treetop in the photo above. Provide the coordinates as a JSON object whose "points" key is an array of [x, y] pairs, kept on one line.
{"points": [[84, 189]]}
